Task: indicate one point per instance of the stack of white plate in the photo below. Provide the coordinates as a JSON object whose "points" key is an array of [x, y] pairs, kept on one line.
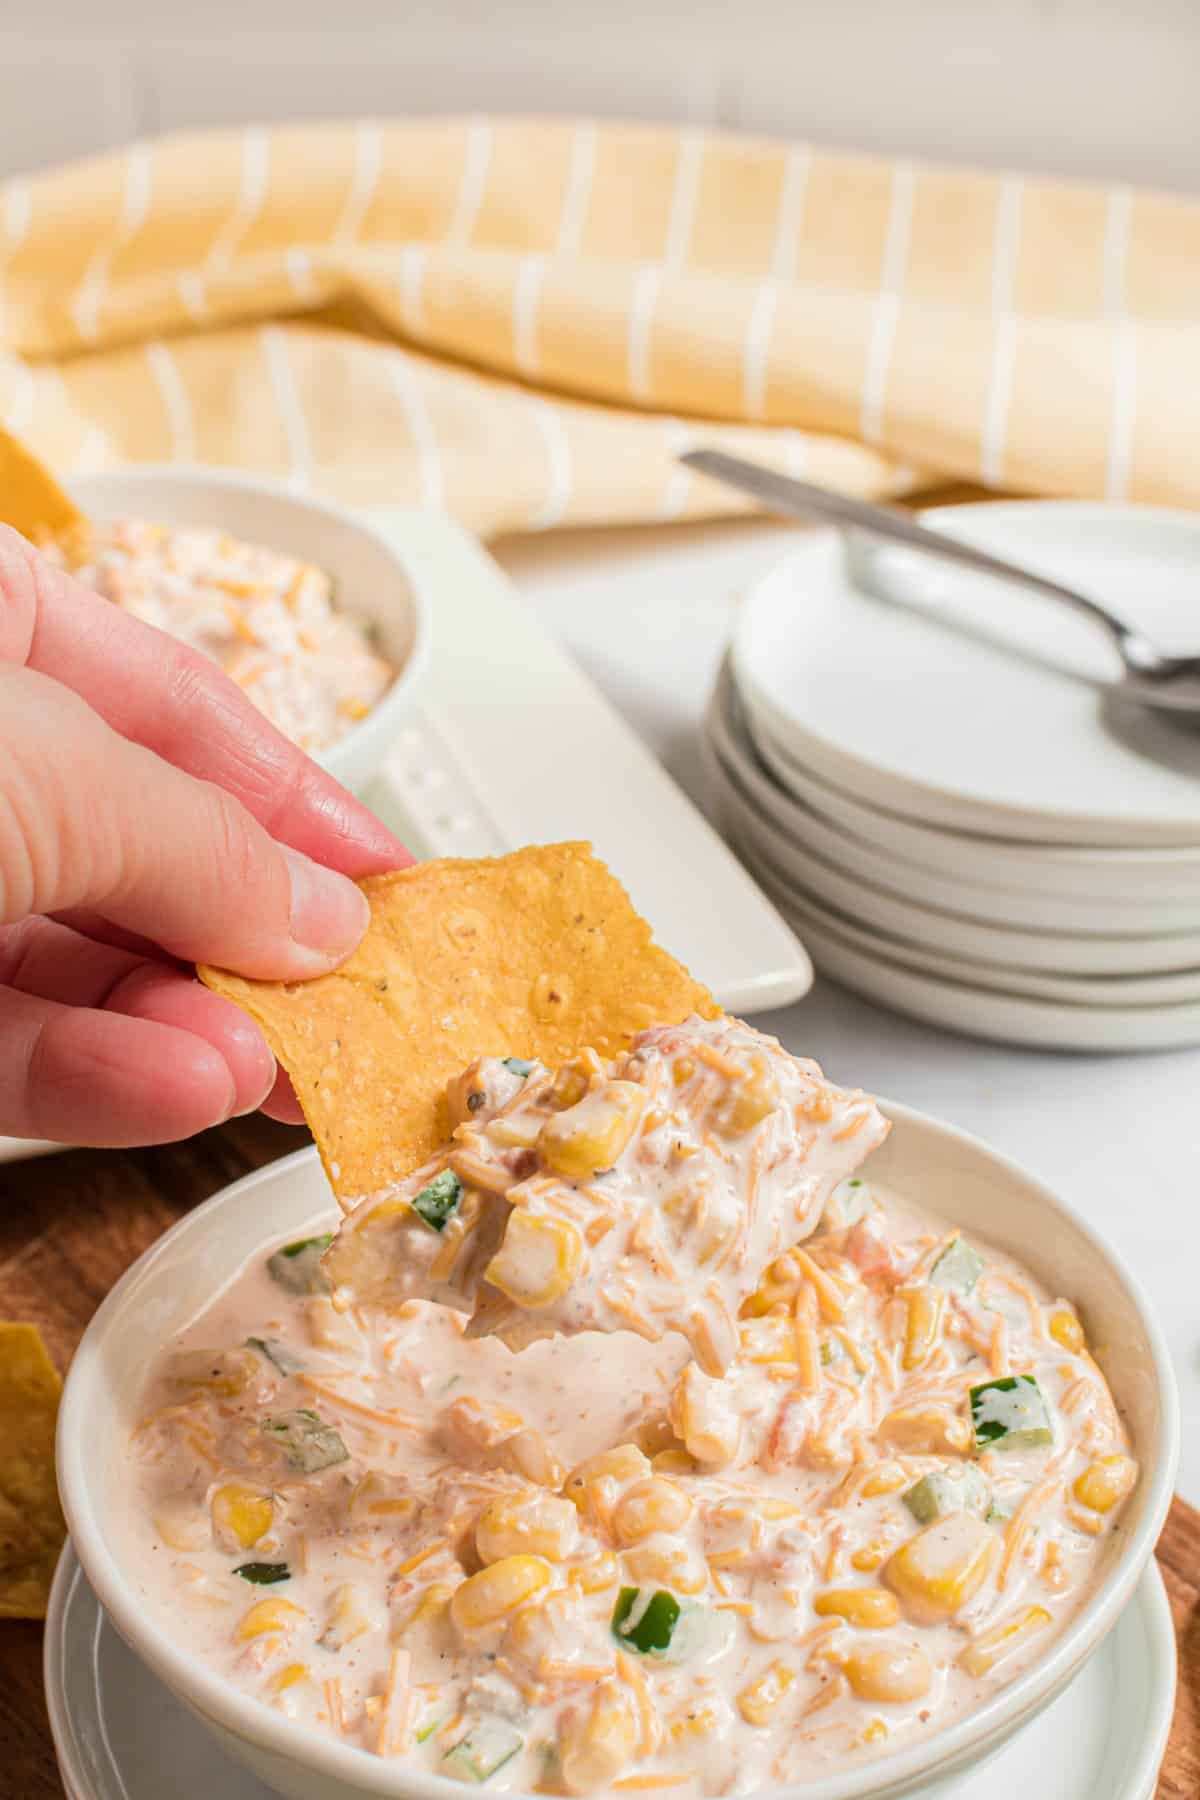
{"points": [[926, 774]]}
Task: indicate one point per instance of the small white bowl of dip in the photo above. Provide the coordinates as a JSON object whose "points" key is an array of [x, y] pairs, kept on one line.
{"points": [[371, 581], [947, 1171]]}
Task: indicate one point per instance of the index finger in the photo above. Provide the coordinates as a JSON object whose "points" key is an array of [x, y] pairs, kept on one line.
{"points": [[174, 701]]}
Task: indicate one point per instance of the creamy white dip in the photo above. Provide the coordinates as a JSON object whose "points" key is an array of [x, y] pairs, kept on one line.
{"points": [[593, 1565], [270, 620]]}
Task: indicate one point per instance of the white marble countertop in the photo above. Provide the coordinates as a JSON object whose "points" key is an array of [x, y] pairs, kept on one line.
{"points": [[647, 613]]}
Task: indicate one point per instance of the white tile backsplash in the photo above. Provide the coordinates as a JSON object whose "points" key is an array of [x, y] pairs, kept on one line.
{"points": [[1071, 86]]}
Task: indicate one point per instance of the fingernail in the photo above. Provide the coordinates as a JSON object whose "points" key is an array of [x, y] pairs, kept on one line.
{"points": [[257, 1096], [328, 913]]}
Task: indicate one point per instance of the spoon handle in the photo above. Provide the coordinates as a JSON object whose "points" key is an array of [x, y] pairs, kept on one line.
{"points": [[802, 500]]}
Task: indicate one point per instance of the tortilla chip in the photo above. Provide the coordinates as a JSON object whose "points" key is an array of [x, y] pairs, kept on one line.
{"points": [[30, 498], [31, 1521], [536, 954]]}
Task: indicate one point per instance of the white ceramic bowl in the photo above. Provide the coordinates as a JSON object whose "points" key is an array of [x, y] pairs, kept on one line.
{"points": [[952, 1173], [372, 581]]}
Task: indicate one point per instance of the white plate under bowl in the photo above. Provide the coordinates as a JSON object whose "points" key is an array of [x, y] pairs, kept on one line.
{"points": [[955, 1175], [973, 705], [1018, 906], [121, 1735], [740, 769], [372, 576]]}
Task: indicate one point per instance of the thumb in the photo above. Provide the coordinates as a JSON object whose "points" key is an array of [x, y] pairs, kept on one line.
{"points": [[89, 820]]}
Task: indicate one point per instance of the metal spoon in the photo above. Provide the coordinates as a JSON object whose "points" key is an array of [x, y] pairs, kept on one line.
{"points": [[1151, 676]]}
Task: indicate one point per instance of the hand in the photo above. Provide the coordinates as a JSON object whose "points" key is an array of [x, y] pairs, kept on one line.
{"points": [[150, 818]]}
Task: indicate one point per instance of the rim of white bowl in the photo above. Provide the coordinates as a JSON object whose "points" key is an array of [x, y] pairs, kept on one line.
{"points": [[197, 475], [219, 1701]]}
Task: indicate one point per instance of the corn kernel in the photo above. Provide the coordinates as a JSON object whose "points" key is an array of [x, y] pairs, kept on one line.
{"points": [[868, 1558], [499, 1589], [592, 1485], [289, 1677], [939, 1570], [671, 1565], [241, 1513], [758, 1701], [182, 1522], [430, 1607], [596, 1574], [994, 1646], [749, 1100], [283, 1691], [886, 1479], [923, 1323], [268, 1615], [874, 1732], [538, 1259], [926, 1431], [1104, 1484], [1066, 1330], [698, 1721], [650, 1506], [888, 1673], [771, 1339], [870, 1608], [675, 1461], [702, 1416], [591, 1135], [348, 1616], [569, 1086], [598, 1740], [534, 1522], [527, 1453]]}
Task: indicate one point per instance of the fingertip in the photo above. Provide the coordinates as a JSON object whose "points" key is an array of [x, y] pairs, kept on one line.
{"points": [[281, 1103]]}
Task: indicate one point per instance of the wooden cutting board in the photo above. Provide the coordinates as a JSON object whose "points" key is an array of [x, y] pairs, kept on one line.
{"points": [[70, 1226], [1179, 1560]]}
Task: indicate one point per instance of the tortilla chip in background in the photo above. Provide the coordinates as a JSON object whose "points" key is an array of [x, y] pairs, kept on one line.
{"points": [[31, 1521], [535, 954], [30, 499]]}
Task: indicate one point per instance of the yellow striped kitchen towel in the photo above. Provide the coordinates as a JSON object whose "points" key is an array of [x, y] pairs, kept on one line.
{"points": [[525, 320]]}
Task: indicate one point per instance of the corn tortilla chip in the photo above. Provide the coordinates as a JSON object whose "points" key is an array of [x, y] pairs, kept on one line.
{"points": [[30, 498], [31, 1521], [535, 954]]}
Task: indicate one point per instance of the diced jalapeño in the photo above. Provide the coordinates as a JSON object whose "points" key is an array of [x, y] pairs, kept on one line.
{"points": [[277, 1354], [297, 1267], [645, 1622], [306, 1440], [438, 1200], [487, 1746], [1010, 1414], [518, 1065], [263, 1574], [947, 1491], [958, 1268]]}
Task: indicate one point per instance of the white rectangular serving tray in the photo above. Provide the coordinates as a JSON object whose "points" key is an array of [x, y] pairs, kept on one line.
{"points": [[509, 743]]}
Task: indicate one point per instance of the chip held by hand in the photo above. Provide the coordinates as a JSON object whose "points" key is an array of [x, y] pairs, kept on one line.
{"points": [[534, 954]]}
